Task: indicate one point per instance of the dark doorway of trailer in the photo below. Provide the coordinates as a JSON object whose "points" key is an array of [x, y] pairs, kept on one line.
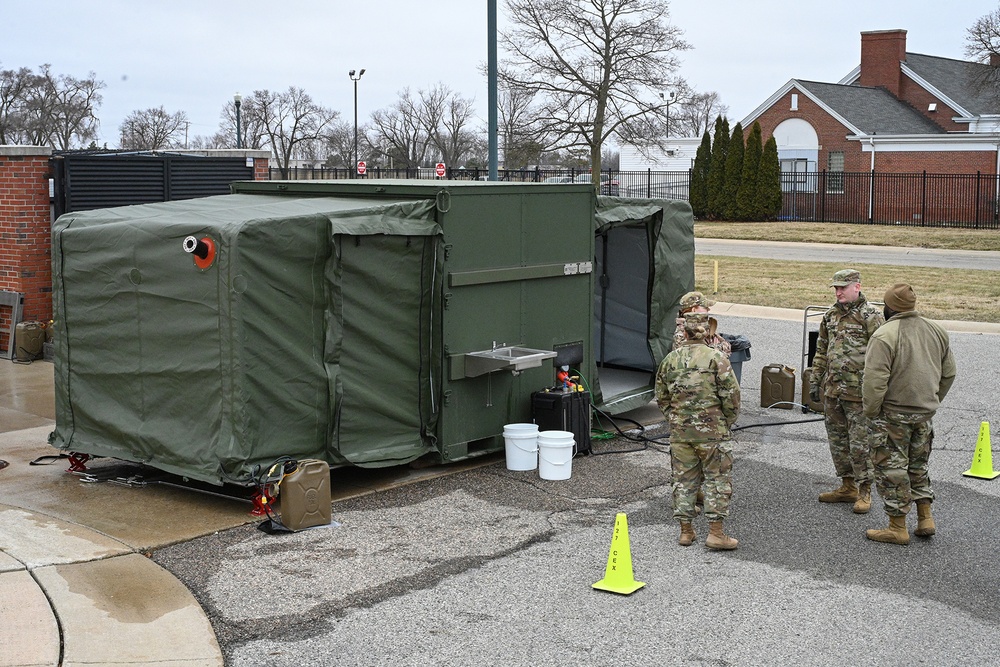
{"points": [[622, 293]]}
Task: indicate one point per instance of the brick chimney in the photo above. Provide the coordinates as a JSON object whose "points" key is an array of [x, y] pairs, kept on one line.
{"points": [[994, 59], [881, 53]]}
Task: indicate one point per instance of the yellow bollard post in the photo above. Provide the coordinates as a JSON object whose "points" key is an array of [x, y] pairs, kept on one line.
{"points": [[716, 287]]}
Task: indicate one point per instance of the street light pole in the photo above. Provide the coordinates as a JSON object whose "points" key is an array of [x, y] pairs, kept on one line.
{"points": [[238, 101], [668, 101], [355, 79]]}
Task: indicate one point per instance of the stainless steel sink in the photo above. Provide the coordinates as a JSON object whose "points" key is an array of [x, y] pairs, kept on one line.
{"points": [[511, 358]]}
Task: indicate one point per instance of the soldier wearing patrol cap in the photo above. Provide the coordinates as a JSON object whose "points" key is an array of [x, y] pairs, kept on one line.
{"points": [[836, 380], [909, 369], [696, 302], [700, 397]]}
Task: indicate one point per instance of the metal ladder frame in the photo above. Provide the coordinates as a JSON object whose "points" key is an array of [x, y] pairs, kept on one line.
{"points": [[16, 301]]}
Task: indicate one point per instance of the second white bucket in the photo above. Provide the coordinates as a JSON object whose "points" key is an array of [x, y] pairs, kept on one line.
{"points": [[555, 454], [521, 443]]}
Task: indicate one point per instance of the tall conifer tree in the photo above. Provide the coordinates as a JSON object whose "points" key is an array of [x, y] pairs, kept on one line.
{"points": [[734, 172], [699, 177], [746, 197], [769, 182], [717, 169]]}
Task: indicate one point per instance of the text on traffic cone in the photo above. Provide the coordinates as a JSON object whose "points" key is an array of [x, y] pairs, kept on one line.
{"points": [[982, 460], [618, 573]]}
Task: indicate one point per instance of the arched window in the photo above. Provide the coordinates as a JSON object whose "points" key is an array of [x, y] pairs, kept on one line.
{"points": [[798, 152]]}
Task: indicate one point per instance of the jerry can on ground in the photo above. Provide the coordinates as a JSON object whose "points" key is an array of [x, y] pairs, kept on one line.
{"points": [[807, 403], [28, 340], [777, 386], [305, 495]]}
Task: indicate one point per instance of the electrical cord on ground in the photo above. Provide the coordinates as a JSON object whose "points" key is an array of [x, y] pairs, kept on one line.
{"points": [[646, 441], [782, 423], [663, 441]]}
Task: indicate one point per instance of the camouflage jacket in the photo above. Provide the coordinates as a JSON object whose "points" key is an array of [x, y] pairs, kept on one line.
{"points": [[839, 364], [714, 341], [698, 393]]}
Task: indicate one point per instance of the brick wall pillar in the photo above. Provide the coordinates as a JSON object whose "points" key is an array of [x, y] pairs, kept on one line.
{"points": [[25, 232], [261, 169]]}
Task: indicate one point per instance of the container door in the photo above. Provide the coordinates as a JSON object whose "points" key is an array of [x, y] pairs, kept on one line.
{"points": [[380, 353]]}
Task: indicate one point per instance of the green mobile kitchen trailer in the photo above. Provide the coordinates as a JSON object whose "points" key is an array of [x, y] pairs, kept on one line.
{"points": [[363, 323]]}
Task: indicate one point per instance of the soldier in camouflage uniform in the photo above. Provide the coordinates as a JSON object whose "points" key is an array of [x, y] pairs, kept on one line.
{"points": [[700, 397], [909, 369], [837, 371], [696, 302]]}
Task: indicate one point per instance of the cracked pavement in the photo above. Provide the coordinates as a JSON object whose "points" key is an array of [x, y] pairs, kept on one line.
{"points": [[490, 566]]}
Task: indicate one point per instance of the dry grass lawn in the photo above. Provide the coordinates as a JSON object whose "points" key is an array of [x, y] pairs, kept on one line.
{"points": [[828, 232], [947, 294]]}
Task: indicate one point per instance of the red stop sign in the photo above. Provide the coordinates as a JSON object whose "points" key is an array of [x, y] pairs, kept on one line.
{"points": [[439, 169], [362, 167]]}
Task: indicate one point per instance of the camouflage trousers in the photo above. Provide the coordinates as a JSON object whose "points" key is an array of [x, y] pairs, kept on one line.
{"points": [[851, 437], [698, 464], [901, 460]]}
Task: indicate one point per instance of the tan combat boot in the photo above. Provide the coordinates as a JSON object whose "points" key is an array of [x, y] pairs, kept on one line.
{"points": [[925, 522], [864, 502], [687, 534], [717, 539], [896, 533], [846, 493]]}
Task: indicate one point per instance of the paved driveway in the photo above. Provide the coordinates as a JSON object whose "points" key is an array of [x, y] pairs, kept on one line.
{"points": [[491, 567]]}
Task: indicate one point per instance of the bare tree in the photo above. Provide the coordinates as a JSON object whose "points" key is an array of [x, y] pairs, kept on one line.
{"points": [[339, 145], [289, 120], [153, 129], [446, 116], [45, 109], [595, 65], [71, 120], [14, 85], [400, 132], [521, 139], [982, 44], [696, 114], [253, 133]]}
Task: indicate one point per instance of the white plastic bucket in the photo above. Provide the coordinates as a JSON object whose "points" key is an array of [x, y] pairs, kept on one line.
{"points": [[521, 443], [555, 454]]}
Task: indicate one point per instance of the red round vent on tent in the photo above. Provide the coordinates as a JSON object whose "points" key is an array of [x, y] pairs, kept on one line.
{"points": [[202, 249]]}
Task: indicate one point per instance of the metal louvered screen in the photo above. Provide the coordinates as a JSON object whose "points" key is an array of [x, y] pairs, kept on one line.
{"points": [[85, 182]]}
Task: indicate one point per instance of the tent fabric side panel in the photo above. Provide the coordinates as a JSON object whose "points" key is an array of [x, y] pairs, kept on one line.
{"points": [[138, 348], [278, 399], [673, 257], [379, 356]]}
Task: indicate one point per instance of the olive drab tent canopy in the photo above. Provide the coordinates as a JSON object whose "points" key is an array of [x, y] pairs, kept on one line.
{"points": [[207, 373], [644, 263], [363, 323]]}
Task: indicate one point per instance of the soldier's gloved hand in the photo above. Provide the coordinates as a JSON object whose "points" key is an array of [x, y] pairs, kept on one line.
{"points": [[814, 393]]}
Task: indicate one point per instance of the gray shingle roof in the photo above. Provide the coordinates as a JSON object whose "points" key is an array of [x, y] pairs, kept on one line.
{"points": [[872, 110], [958, 80]]}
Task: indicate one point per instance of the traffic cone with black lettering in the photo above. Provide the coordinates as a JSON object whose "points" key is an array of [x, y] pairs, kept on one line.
{"points": [[982, 460], [618, 576]]}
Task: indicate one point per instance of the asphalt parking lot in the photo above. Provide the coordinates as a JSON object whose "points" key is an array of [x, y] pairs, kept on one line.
{"points": [[490, 566]]}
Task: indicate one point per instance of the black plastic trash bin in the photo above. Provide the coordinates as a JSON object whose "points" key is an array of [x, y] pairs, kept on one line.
{"points": [[740, 352]]}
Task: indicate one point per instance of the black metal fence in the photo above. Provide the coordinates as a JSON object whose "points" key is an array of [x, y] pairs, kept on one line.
{"points": [[912, 199]]}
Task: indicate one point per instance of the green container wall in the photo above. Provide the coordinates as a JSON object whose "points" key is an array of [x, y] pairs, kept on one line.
{"points": [[336, 321], [506, 247]]}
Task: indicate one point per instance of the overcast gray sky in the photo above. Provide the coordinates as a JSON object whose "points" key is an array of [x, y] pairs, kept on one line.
{"points": [[192, 55]]}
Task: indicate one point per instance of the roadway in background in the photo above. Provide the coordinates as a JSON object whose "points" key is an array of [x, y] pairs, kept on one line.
{"points": [[984, 260]]}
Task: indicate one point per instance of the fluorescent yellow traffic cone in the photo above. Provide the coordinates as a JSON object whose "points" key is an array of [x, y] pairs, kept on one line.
{"points": [[618, 574], [982, 460]]}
